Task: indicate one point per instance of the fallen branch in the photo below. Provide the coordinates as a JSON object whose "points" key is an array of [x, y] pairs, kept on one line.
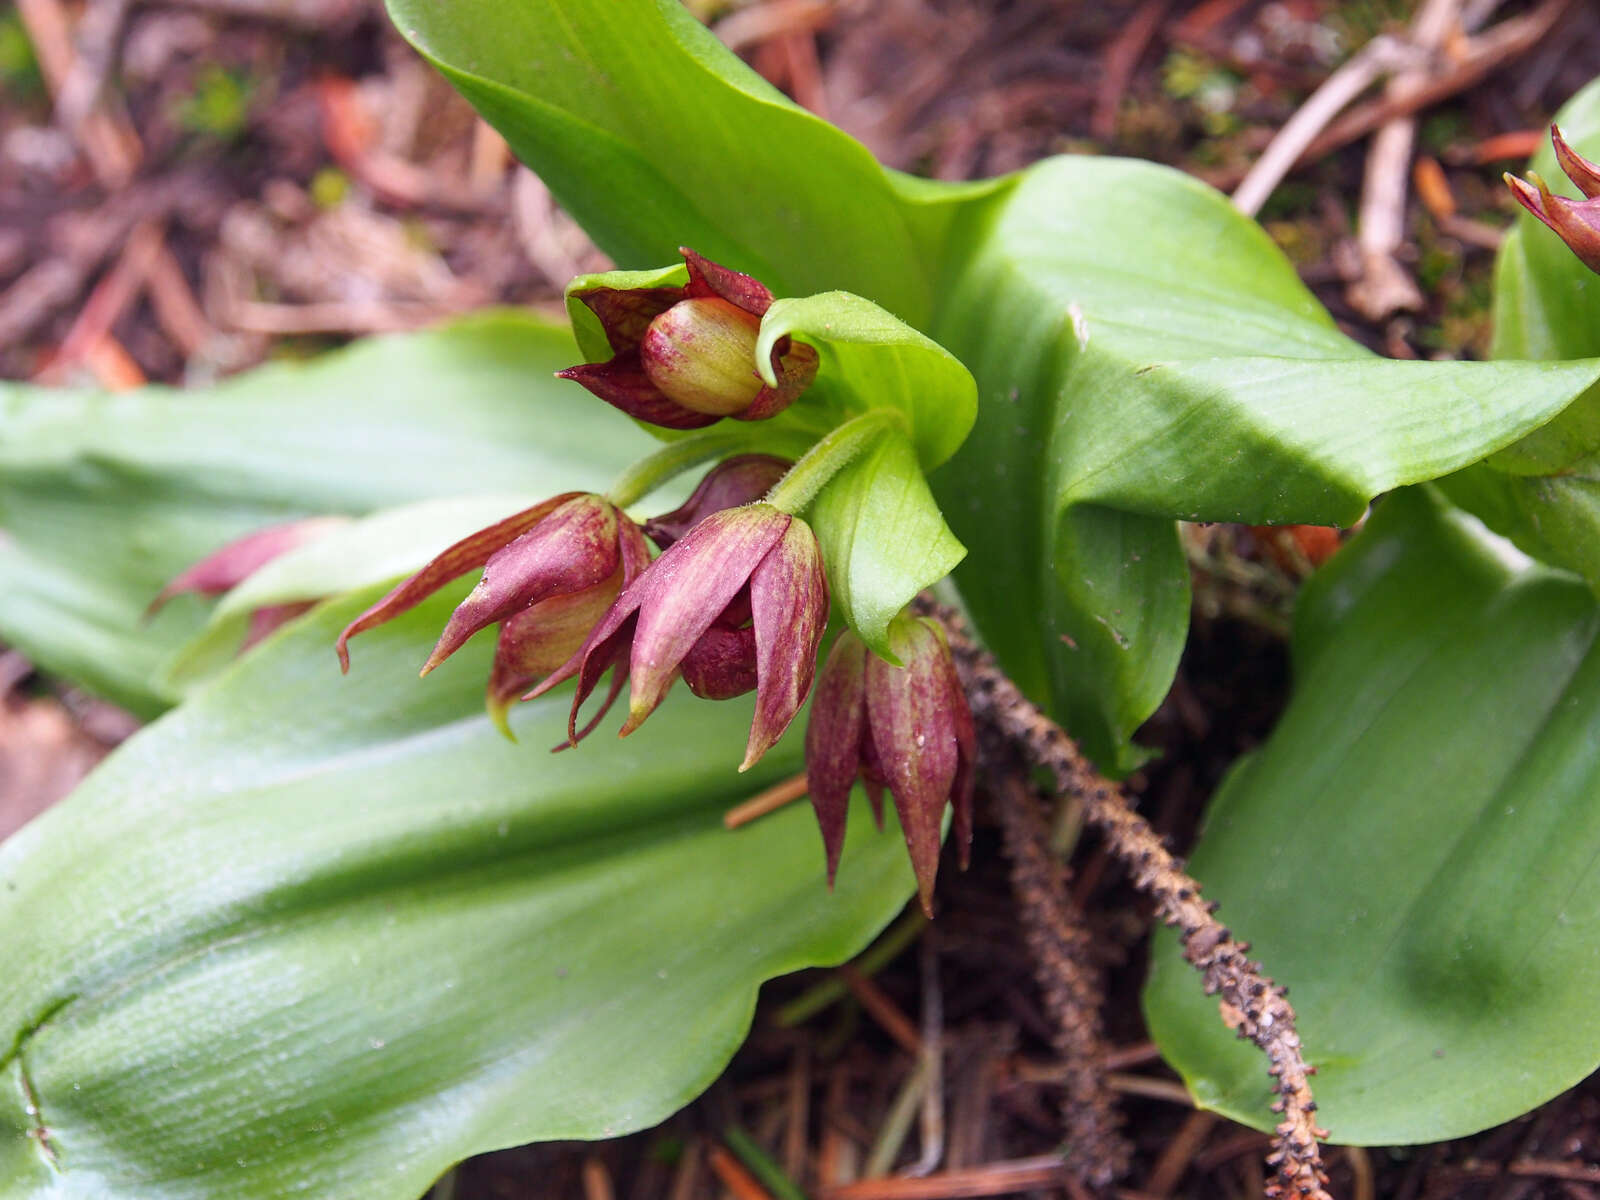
{"points": [[1251, 1004]]}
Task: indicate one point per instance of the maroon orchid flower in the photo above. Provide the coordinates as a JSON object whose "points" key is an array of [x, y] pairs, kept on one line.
{"points": [[1575, 222], [225, 569], [549, 573], [684, 357], [907, 728], [736, 481], [739, 603]]}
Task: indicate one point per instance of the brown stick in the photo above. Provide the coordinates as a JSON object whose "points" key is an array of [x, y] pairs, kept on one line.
{"points": [[1251, 1004], [995, 1179], [1071, 985]]}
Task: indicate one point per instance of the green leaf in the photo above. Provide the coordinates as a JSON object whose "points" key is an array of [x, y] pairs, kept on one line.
{"points": [[1544, 491], [1143, 352], [314, 935], [104, 498], [882, 536], [656, 137], [1413, 850], [871, 360]]}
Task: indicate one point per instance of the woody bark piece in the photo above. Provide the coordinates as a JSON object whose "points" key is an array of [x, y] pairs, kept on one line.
{"points": [[108, 140], [1383, 286]]}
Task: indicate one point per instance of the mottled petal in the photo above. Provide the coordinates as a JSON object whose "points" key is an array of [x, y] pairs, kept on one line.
{"points": [[624, 314], [686, 589], [571, 550], [721, 664], [1582, 172], [538, 640], [915, 736], [789, 607], [795, 364], [1575, 222], [740, 480], [623, 384], [707, 278], [468, 554], [225, 569], [608, 643], [966, 738], [833, 741]]}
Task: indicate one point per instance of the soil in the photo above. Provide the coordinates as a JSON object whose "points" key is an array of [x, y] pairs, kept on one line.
{"points": [[219, 182]]}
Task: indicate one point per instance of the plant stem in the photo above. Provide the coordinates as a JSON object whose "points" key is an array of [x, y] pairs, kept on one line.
{"points": [[828, 457], [673, 459]]}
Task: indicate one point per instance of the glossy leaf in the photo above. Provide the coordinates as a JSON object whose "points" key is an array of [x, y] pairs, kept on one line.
{"points": [[1143, 352], [317, 935], [1544, 491], [1413, 850], [104, 498], [882, 537]]}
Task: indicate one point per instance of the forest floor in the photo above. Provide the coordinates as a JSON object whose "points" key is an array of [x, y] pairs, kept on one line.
{"points": [[191, 187]]}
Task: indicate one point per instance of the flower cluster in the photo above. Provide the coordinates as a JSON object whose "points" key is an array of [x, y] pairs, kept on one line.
{"points": [[737, 600], [1576, 222]]}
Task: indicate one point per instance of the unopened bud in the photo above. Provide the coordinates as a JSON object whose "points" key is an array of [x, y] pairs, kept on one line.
{"points": [[702, 354]]}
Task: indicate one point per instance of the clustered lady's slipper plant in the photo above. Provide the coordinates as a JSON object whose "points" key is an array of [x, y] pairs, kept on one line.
{"points": [[738, 599], [406, 940]]}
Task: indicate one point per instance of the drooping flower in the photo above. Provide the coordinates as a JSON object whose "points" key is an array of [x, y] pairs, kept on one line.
{"points": [[226, 568], [549, 573], [1576, 222], [907, 728], [739, 602], [736, 481], [684, 357]]}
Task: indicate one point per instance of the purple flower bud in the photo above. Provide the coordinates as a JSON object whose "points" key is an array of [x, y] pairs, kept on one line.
{"points": [[226, 568], [740, 480], [907, 728], [685, 357], [1575, 222], [550, 572], [686, 615]]}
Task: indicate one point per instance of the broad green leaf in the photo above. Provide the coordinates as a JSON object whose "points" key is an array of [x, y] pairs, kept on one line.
{"points": [[309, 935], [656, 137], [1413, 850], [871, 360], [1143, 352], [1544, 491], [103, 498], [882, 537]]}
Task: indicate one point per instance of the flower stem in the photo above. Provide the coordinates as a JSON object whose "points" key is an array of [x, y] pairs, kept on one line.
{"points": [[673, 459], [827, 458]]}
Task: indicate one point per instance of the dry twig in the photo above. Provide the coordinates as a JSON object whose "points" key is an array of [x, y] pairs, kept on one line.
{"points": [[1071, 985], [1251, 1004]]}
